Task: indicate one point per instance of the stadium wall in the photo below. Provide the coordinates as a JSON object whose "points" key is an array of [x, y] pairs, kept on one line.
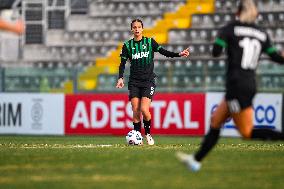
{"points": [[110, 114]]}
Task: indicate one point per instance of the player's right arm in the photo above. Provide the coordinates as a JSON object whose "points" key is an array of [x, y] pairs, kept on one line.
{"points": [[221, 41], [124, 56]]}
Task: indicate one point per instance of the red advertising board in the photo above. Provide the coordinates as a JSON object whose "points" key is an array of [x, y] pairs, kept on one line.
{"points": [[172, 114]]}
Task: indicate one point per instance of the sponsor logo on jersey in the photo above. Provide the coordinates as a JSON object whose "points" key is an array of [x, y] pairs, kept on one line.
{"points": [[140, 55]]}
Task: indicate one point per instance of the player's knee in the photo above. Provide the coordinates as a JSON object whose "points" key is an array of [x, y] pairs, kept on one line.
{"points": [[246, 134], [145, 112], [136, 110]]}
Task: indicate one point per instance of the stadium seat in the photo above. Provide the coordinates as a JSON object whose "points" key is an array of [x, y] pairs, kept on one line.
{"points": [[95, 27]]}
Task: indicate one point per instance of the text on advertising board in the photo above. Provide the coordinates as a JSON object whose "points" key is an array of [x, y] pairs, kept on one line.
{"points": [[112, 114]]}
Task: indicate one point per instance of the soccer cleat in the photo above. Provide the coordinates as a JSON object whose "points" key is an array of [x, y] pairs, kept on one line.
{"points": [[150, 139], [189, 160]]}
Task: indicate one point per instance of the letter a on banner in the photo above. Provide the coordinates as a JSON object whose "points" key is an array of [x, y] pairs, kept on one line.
{"points": [[80, 116]]}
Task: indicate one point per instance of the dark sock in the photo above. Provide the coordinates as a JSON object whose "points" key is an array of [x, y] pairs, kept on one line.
{"points": [[137, 126], [147, 126], [266, 134], [208, 143]]}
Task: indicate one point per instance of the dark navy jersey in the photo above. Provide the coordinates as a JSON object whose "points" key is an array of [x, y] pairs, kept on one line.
{"points": [[141, 55], [244, 44]]}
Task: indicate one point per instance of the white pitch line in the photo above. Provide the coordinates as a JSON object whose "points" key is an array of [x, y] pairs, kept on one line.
{"points": [[60, 146]]}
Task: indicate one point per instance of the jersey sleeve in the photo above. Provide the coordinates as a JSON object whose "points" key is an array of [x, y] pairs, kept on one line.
{"points": [[268, 48], [125, 52], [124, 56], [272, 52], [221, 41], [158, 48], [223, 36]]}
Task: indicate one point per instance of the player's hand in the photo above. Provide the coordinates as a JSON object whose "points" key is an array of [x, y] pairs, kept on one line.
{"points": [[19, 27], [184, 53], [120, 83], [282, 53]]}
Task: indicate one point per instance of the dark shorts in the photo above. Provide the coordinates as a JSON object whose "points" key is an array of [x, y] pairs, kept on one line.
{"points": [[142, 91], [239, 95]]}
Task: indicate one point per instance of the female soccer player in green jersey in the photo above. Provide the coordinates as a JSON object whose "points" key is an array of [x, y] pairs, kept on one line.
{"points": [[140, 52]]}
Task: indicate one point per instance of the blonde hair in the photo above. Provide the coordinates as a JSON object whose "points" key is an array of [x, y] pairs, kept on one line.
{"points": [[247, 11]]}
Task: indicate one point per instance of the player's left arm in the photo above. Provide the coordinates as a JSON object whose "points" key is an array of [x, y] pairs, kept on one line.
{"points": [[17, 27], [161, 50], [272, 52], [275, 55]]}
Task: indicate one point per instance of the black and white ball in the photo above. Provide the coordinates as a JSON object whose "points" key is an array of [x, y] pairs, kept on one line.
{"points": [[134, 138]]}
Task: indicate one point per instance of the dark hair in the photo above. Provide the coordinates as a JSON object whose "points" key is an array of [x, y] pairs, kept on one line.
{"points": [[136, 20]]}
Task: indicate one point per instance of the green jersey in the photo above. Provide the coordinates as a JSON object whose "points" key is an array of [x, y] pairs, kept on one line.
{"points": [[141, 55]]}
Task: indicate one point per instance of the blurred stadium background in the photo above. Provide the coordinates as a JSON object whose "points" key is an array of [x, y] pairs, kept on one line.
{"points": [[73, 46]]}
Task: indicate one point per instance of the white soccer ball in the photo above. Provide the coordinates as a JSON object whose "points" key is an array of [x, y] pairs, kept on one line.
{"points": [[134, 138]]}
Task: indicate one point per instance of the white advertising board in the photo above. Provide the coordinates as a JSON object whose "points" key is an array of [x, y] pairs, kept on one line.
{"points": [[40, 114], [267, 112]]}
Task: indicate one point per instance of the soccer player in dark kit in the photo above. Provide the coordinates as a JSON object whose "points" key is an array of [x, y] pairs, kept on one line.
{"points": [[140, 52], [244, 42]]}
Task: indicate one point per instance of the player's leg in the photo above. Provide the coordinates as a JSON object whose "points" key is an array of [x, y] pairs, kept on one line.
{"points": [[244, 123], [145, 109], [147, 95], [266, 134], [135, 99], [218, 117], [135, 103]]}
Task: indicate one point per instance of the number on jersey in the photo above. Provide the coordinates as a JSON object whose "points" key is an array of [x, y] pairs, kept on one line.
{"points": [[251, 52]]}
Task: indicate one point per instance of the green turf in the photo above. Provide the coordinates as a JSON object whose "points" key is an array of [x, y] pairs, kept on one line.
{"points": [[106, 162]]}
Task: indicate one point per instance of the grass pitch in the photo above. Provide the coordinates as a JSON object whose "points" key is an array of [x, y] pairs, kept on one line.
{"points": [[107, 163]]}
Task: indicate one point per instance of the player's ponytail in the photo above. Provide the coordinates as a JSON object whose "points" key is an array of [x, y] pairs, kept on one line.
{"points": [[247, 11]]}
